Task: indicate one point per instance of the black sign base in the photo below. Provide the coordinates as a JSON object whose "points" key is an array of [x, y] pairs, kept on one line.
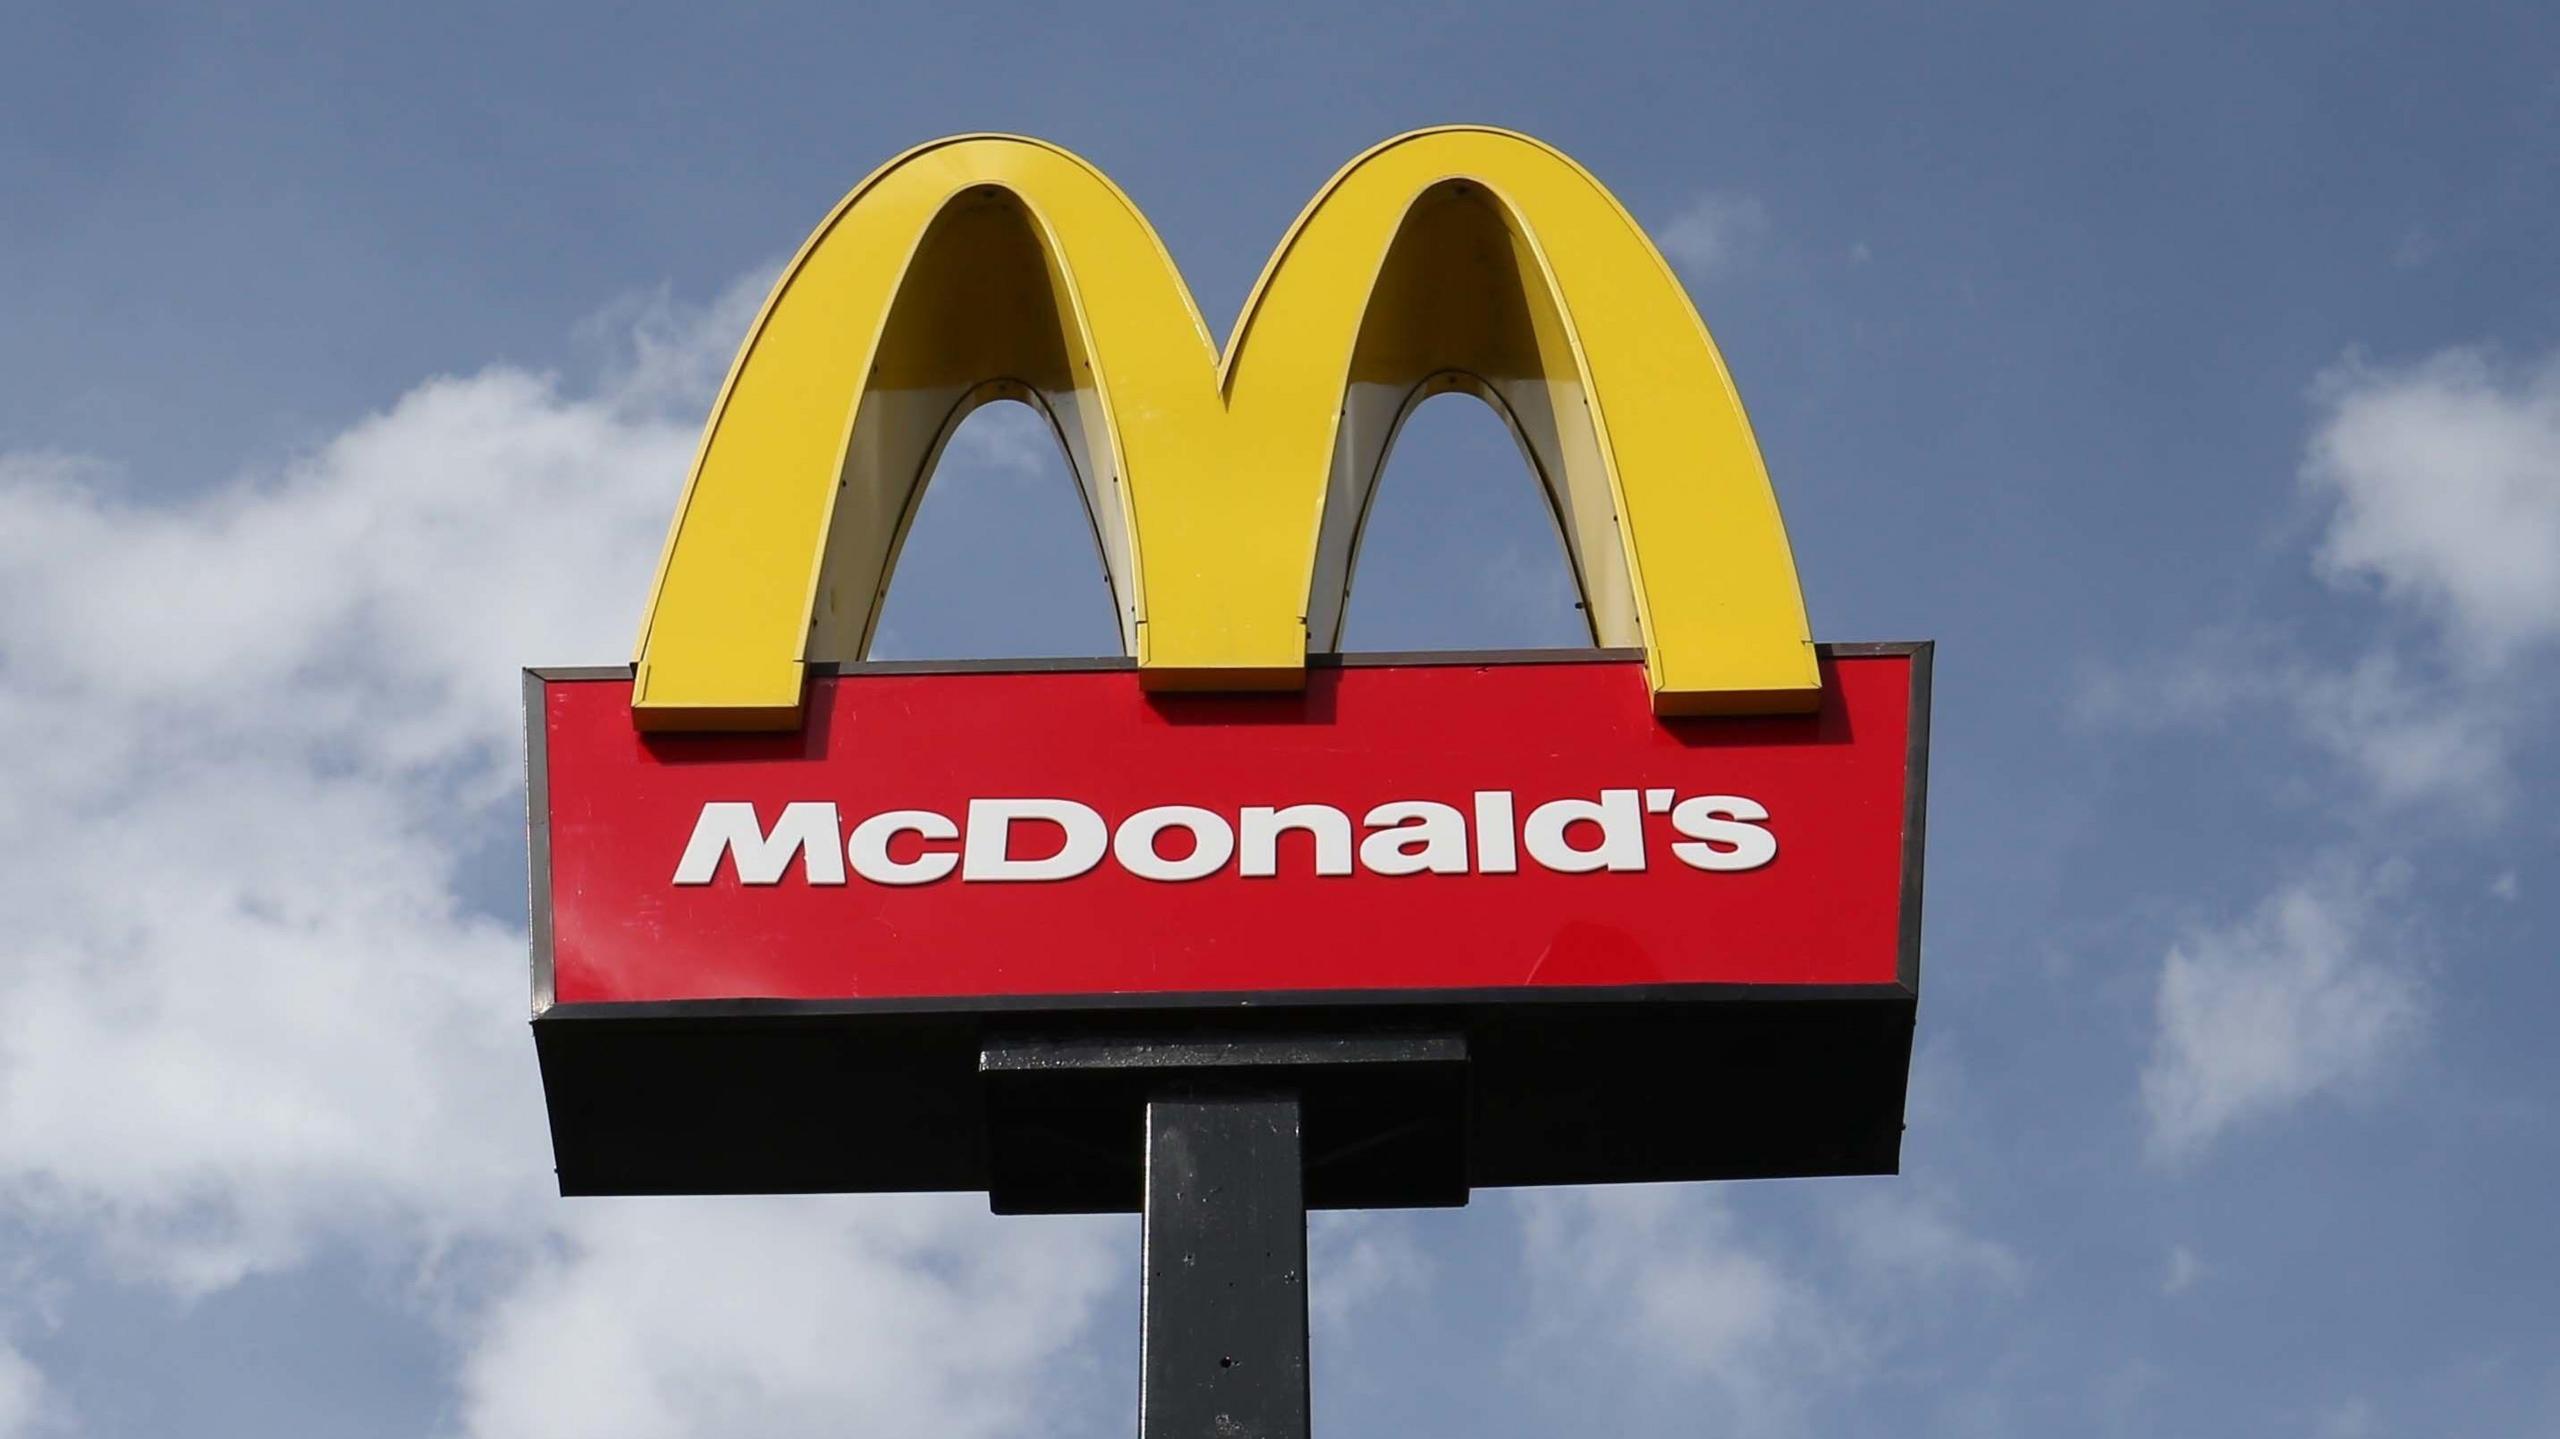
{"points": [[1558, 1084]]}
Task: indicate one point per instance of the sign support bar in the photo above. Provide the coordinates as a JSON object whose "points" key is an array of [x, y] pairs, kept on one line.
{"points": [[1239, 1129], [1224, 1343]]}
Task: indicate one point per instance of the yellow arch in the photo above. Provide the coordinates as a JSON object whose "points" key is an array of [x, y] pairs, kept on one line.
{"points": [[1226, 491]]}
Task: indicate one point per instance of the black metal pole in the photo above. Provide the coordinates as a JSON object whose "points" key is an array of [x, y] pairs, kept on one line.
{"points": [[1223, 1345]]}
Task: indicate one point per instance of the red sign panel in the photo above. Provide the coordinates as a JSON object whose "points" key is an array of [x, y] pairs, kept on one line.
{"points": [[1477, 826]]}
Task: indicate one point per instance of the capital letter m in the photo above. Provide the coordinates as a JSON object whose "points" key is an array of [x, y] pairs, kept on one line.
{"points": [[1226, 491], [729, 827]]}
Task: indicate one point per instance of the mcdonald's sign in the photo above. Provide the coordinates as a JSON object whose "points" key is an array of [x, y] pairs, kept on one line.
{"points": [[1657, 900]]}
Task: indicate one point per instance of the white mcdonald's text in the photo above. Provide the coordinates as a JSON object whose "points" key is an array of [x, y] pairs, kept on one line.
{"points": [[1033, 840]]}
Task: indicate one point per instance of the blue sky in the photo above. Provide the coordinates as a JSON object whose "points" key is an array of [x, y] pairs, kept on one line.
{"points": [[2191, 374]]}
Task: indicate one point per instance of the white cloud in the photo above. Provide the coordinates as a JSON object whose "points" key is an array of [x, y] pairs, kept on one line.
{"points": [[1356, 1259], [22, 1395], [787, 1317], [2444, 478], [662, 358], [1717, 232], [2410, 734], [2410, 738], [1910, 1233], [1662, 1293], [2353, 1419], [2439, 488], [1666, 1273], [2296, 1000], [253, 999], [244, 1002], [1009, 438], [2184, 1270]]}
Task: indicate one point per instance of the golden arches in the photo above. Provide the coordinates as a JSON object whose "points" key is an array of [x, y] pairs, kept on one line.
{"points": [[1226, 491]]}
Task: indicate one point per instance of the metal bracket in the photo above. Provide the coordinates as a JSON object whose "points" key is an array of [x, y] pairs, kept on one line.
{"points": [[1384, 1116]]}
